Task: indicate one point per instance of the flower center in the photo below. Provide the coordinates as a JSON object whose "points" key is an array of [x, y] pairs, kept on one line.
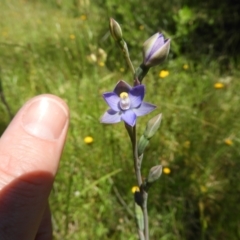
{"points": [[124, 101]]}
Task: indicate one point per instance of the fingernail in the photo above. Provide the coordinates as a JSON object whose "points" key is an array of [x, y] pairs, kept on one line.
{"points": [[45, 118]]}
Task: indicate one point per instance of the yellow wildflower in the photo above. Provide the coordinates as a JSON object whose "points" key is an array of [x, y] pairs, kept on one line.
{"points": [[88, 140], [166, 170], [141, 27], [228, 142], [72, 36], [185, 66], [135, 189], [203, 189], [101, 64], [163, 74], [187, 144], [218, 85], [83, 17], [5, 33]]}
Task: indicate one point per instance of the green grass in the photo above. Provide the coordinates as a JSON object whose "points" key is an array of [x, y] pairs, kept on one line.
{"points": [[45, 48]]}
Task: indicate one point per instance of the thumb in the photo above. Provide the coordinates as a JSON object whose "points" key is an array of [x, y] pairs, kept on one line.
{"points": [[30, 150]]}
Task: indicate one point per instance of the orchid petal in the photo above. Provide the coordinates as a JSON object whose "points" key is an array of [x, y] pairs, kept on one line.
{"points": [[152, 44], [157, 45], [136, 95], [111, 116], [129, 117], [122, 86], [160, 53], [112, 99], [144, 109]]}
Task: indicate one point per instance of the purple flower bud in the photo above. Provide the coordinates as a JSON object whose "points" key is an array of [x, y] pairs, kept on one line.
{"points": [[155, 50]]}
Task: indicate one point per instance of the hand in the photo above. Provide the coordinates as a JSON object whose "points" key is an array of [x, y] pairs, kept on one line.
{"points": [[30, 150]]}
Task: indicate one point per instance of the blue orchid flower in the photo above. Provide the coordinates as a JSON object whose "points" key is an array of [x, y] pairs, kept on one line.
{"points": [[126, 104]]}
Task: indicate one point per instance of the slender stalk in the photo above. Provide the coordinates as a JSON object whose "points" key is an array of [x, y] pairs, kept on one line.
{"points": [[141, 72], [137, 163], [130, 131], [141, 235], [137, 167], [127, 57], [145, 215], [123, 46]]}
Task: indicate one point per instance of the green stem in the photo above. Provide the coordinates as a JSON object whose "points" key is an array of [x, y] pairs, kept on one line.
{"points": [[137, 163], [130, 132], [123, 45], [141, 72], [145, 215], [141, 235]]}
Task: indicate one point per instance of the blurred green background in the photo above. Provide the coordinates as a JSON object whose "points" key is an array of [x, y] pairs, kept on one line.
{"points": [[63, 47]]}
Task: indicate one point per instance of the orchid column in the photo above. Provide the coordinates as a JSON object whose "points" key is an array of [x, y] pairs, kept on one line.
{"points": [[126, 104]]}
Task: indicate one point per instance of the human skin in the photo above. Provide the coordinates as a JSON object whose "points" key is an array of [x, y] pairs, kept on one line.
{"points": [[30, 150]]}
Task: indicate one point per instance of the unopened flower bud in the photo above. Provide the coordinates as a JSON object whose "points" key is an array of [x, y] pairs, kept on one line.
{"points": [[143, 142], [155, 50], [152, 126], [154, 173], [115, 30]]}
